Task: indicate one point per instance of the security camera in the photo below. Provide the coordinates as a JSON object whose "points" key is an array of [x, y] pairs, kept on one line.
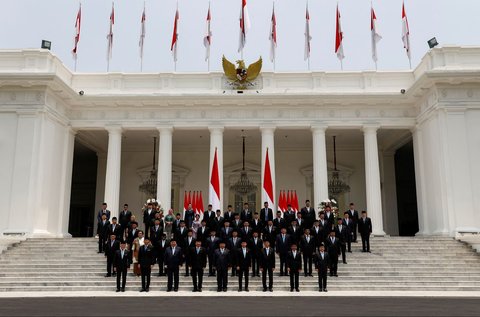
{"points": [[402, 91], [81, 92]]}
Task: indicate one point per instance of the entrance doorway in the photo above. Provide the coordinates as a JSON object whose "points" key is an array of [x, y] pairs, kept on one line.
{"points": [[406, 190], [82, 201]]}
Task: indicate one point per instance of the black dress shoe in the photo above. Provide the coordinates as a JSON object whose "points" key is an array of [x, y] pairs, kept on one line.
{"points": [[345, 263], [271, 289], [169, 290], [224, 289], [291, 290], [147, 290], [123, 290], [200, 290], [219, 290], [336, 275], [297, 290], [306, 275], [108, 275], [310, 275], [264, 289], [99, 252], [246, 290], [142, 290], [325, 290], [320, 290], [195, 290], [349, 251], [258, 275], [239, 289], [114, 274], [175, 289], [369, 251], [187, 275], [118, 290]]}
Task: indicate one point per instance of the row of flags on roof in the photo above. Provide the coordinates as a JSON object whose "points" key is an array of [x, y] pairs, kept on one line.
{"points": [[244, 26]]}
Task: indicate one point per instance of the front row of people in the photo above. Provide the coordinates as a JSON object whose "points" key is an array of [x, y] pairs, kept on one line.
{"points": [[119, 257]]}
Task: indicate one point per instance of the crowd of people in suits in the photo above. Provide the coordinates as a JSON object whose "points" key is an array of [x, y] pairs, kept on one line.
{"points": [[235, 244]]}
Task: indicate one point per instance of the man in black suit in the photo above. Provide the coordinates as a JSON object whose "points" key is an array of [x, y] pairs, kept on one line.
{"points": [[173, 260], [209, 216], [212, 243], [237, 224], [330, 218], [226, 232], [341, 232], [229, 214], [148, 216], [294, 266], [121, 263], [279, 222], [163, 244], [333, 249], [188, 245], [246, 214], [349, 224], [103, 211], [115, 229], [294, 231], [326, 227], [246, 232], [266, 213], [289, 216], [188, 216], [256, 245], [365, 229], [102, 232], [132, 233], [317, 233], [218, 221], [243, 263], [111, 247], [176, 223], [322, 264], [146, 260], [301, 223], [222, 263], [198, 261], [267, 265], [282, 247], [256, 224], [353, 214], [308, 214], [203, 233], [307, 246], [125, 217], [181, 234], [270, 234], [233, 244]]}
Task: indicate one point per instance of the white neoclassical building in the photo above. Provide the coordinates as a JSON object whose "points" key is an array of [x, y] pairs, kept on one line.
{"points": [[407, 142]]}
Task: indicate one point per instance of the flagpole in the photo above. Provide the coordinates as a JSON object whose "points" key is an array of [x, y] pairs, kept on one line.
{"points": [[143, 38], [208, 62]]}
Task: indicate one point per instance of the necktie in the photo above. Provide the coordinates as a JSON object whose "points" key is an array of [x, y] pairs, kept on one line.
{"points": [[198, 250], [308, 239], [244, 253], [283, 238], [267, 251], [122, 254], [222, 251]]}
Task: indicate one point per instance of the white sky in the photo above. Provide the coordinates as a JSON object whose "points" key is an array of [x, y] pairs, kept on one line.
{"points": [[24, 23]]}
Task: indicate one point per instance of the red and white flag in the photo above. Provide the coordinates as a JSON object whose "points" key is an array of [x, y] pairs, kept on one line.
{"points": [[110, 34], [244, 26], [207, 39], [308, 38], [78, 23], [267, 191], [406, 32], [214, 188], [295, 205], [339, 38], [185, 201], [142, 32], [174, 45], [376, 37], [280, 201], [273, 36], [200, 204], [194, 201]]}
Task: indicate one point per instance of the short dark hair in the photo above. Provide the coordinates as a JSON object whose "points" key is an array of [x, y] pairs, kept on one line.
{"points": [[229, 206], [104, 204], [364, 211], [307, 201], [125, 205], [114, 218]]}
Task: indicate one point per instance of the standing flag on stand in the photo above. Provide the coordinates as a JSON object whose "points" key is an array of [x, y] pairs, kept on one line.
{"points": [[307, 35], [200, 204], [267, 191], [194, 201], [207, 39], [244, 26], [185, 201], [142, 32], [110, 36], [406, 34], [280, 201], [289, 199], [78, 23], [295, 202], [197, 203], [376, 37], [339, 38], [174, 45], [214, 188], [273, 36]]}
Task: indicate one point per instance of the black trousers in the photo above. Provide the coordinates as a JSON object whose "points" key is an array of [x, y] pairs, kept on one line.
{"points": [[101, 243], [197, 278], [222, 278], [294, 279], [268, 271], [147, 230], [109, 264], [211, 268], [366, 242], [333, 265], [355, 226], [255, 266], [349, 243], [146, 273], [160, 260], [283, 263], [123, 274], [173, 278], [322, 279], [307, 259], [187, 268], [343, 250], [243, 273]]}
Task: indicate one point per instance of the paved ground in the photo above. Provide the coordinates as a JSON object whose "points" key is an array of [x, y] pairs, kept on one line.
{"points": [[241, 306]]}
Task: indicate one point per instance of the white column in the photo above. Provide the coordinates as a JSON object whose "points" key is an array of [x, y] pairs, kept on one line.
{"points": [[320, 169], [112, 179], [216, 142], [423, 221], [372, 177], [268, 141], [164, 177], [64, 214]]}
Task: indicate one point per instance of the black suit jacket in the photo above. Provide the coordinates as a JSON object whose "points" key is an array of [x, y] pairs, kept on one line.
{"points": [[270, 236], [237, 226], [308, 216], [222, 261], [282, 247], [102, 229], [307, 247], [234, 246], [202, 235], [256, 248], [228, 216], [156, 235], [246, 235], [267, 262], [322, 265], [111, 249], [173, 261], [131, 235], [148, 218], [294, 263], [246, 217], [343, 234], [100, 212], [365, 228], [318, 236], [295, 234], [180, 237], [124, 218], [118, 232], [119, 263], [269, 214], [145, 256], [257, 227], [289, 217], [279, 223], [353, 216], [333, 248], [197, 261], [224, 236], [244, 262], [211, 246], [208, 216]]}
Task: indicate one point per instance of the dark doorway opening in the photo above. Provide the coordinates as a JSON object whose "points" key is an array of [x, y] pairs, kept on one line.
{"points": [[84, 182], [406, 190]]}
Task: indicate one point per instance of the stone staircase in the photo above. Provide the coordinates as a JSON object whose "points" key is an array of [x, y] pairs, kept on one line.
{"points": [[395, 264]]}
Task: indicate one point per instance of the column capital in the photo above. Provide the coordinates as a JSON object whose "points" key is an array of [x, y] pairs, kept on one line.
{"points": [[267, 128], [114, 129], [370, 127], [72, 131], [318, 127], [165, 129], [216, 129]]}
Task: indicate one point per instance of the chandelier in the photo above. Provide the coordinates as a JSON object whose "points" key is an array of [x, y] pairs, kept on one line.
{"points": [[335, 185], [243, 186], [149, 186]]}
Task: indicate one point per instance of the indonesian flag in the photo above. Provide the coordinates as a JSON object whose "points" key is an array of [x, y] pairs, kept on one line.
{"points": [[289, 199], [200, 204], [280, 201], [207, 39], [405, 32], [273, 36], [376, 37], [78, 23], [295, 202], [142, 32], [194, 202], [174, 45], [214, 188], [267, 191], [307, 35], [244, 26], [197, 204], [185, 201], [339, 38], [110, 34]]}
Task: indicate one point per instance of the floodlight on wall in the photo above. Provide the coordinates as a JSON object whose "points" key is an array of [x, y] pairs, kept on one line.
{"points": [[46, 44], [432, 42]]}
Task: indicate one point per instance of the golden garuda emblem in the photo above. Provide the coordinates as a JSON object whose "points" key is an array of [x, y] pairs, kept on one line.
{"points": [[241, 77]]}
